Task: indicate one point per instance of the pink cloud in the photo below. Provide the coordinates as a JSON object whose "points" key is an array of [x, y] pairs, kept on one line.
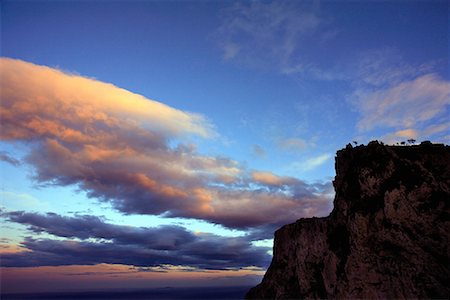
{"points": [[404, 105], [113, 144]]}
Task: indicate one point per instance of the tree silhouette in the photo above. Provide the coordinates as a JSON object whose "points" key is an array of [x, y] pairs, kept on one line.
{"points": [[411, 141]]}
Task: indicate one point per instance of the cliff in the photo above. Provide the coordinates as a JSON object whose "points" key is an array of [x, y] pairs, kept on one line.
{"points": [[387, 236]]}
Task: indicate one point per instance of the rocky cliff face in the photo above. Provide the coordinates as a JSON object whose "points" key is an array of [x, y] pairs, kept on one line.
{"points": [[387, 236]]}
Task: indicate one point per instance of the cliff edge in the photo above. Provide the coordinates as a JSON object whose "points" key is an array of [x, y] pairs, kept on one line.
{"points": [[387, 236]]}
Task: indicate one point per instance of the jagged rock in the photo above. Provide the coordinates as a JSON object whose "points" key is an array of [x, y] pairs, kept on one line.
{"points": [[387, 236]]}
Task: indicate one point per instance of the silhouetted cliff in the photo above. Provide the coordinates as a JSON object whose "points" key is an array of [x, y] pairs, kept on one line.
{"points": [[387, 236]]}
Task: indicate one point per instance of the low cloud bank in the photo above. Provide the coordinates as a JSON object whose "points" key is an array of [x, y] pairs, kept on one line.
{"points": [[88, 240]]}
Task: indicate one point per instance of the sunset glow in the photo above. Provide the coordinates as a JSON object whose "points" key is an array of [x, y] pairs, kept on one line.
{"points": [[149, 144]]}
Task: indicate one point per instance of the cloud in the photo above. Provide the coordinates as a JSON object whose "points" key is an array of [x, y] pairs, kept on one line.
{"points": [[84, 105], [403, 100], [278, 36], [404, 105], [89, 240], [288, 184], [440, 131], [115, 146], [269, 34], [4, 156], [407, 133], [292, 144], [267, 178], [386, 67], [86, 226], [311, 163], [316, 161], [444, 127], [400, 136]]}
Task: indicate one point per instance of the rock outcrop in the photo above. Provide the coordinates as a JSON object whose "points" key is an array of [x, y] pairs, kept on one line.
{"points": [[387, 236]]}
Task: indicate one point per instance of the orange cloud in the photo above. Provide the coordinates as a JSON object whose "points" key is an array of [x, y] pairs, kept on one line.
{"points": [[114, 145], [47, 100], [407, 133], [267, 178]]}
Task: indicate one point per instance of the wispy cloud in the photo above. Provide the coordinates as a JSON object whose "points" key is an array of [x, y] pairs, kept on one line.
{"points": [[292, 144], [278, 36], [6, 157], [402, 99], [314, 162], [404, 105], [443, 127], [115, 146], [269, 34], [385, 67], [310, 163]]}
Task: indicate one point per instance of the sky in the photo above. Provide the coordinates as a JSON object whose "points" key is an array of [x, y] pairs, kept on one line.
{"points": [[161, 143]]}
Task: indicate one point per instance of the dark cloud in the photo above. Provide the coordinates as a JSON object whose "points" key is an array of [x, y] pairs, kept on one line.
{"points": [[4, 156], [100, 242], [84, 227]]}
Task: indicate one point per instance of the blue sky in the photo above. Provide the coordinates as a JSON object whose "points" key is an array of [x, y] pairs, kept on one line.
{"points": [[257, 98]]}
